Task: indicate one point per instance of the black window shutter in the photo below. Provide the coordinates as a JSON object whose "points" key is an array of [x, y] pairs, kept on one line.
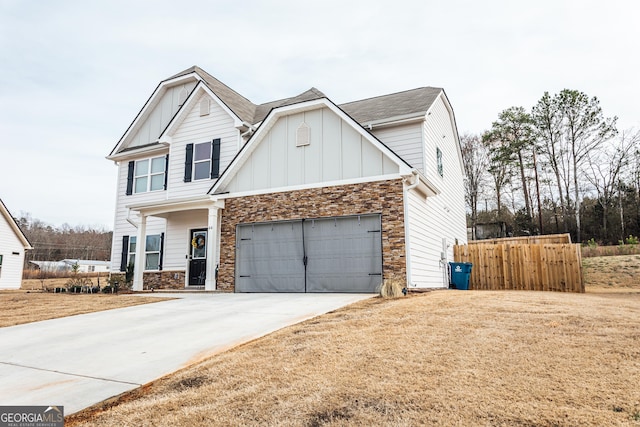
{"points": [[161, 250], [132, 165], [124, 257], [166, 171], [215, 159], [188, 162]]}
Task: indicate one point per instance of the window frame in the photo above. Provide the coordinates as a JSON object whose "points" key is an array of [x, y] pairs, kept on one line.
{"points": [[154, 252], [201, 161], [148, 175]]}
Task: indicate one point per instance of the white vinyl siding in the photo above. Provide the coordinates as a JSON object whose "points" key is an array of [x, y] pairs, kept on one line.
{"points": [[196, 129], [432, 219], [11, 269], [336, 152], [406, 141], [122, 227], [177, 240]]}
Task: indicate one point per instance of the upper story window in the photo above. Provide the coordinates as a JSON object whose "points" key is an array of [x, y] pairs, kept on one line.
{"points": [[202, 161], [439, 159], [147, 175]]}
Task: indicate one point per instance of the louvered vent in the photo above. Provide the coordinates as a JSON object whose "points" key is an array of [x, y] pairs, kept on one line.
{"points": [[204, 107], [303, 135], [182, 96]]}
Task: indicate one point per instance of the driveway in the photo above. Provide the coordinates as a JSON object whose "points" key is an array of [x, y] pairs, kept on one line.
{"points": [[81, 360]]}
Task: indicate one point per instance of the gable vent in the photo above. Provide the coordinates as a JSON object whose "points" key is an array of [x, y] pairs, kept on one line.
{"points": [[182, 96], [303, 135], [204, 107]]}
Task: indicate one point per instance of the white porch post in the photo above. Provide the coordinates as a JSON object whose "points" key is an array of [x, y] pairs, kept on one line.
{"points": [[139, 262], [213, 243]]}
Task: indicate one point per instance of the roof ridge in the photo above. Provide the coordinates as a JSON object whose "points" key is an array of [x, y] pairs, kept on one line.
{"points": [[198, 70]]}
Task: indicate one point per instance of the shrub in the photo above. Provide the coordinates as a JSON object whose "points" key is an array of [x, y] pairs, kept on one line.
{"points": [[392, 288]]}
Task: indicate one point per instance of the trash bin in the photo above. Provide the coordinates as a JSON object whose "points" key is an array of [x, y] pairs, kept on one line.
{"points": [[460, 274]]}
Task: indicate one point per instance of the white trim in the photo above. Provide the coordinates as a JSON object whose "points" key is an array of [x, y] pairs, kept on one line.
{"points": [[315, 104], [406, 188], [146, 150], [153, 100], [176, 205], [14, 226], [262, 191], [183, 111], [396, 120]]}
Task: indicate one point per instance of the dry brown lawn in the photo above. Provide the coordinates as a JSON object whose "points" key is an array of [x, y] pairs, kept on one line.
{"points": [[24, 306], [467, 358]]}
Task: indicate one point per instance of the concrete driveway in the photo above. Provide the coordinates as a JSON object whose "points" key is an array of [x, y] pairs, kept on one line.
{"points": [[81, 360]]}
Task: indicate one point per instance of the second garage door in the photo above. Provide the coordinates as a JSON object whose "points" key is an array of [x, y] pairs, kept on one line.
{"points": [[339, 254]]}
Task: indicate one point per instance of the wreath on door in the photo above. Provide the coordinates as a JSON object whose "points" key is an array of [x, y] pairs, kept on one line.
{"points": [[198, 242]]}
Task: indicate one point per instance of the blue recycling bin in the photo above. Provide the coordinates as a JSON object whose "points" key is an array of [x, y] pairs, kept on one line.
{"points": [[460, 274]]}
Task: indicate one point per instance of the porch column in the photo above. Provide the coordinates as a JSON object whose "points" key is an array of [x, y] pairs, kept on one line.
{"points": [[139, 262], [212, 249]]}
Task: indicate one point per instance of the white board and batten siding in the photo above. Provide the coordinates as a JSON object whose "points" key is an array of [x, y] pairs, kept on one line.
{"points": [[151, 126], [12, 251], [432, 220], [336, 152]]}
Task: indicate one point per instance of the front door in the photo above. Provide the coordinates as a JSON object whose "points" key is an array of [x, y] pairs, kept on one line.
{"points": [[198, 258]]}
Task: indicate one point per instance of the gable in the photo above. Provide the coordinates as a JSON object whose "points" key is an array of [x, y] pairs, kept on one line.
{"points": [[10, 232], [336, 151], [159, 116]]}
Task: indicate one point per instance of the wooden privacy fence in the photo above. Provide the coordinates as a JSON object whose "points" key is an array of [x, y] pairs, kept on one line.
{"points": [[533, 266]]}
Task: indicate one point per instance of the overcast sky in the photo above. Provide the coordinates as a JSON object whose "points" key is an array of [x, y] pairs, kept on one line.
{"points": [[73, 74]]}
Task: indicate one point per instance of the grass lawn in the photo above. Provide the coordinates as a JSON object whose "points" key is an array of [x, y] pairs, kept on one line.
{"points": [[442, 358], [24, 306]]}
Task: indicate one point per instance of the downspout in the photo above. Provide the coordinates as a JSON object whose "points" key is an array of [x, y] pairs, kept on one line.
{"points": [[406, 188]]}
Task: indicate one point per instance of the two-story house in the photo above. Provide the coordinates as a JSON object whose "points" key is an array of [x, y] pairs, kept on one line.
{"points": [[295, 195]]}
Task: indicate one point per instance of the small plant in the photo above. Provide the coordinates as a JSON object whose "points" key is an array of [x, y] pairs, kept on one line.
{"points": [[128, 276], [631, 240], [592, 243], [392, 288], [635, 415]]}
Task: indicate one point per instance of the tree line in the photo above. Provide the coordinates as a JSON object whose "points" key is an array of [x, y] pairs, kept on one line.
{"points": [[560, 167], [65, 242]]}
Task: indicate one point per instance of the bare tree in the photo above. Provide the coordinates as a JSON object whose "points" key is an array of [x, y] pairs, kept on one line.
{"points": [[584, 128], [476, 162], [606, 166]]}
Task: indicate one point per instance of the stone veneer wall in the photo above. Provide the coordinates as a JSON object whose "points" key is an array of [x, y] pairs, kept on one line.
{"points": [[384, 197], [157, 279]]}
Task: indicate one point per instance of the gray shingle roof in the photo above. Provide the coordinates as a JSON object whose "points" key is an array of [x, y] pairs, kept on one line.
{"points": [[393, 105], [241, 106], [409, 102]]}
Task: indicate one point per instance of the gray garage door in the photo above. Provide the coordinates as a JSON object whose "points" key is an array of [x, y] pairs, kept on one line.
{"points": [[341, 254]]}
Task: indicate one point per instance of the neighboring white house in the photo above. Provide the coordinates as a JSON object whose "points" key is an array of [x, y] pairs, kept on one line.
{"points": [[84, 266], [13, 244], [295, 195]]}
